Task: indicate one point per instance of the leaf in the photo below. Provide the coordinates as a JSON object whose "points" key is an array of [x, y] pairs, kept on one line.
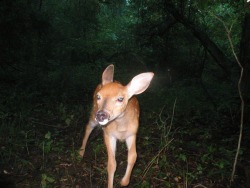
{"points": [[48, 135], [183, 157], [67, 121], [50, 180]]}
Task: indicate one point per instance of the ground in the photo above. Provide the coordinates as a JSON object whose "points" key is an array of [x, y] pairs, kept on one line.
{"points": [[171, 153]]}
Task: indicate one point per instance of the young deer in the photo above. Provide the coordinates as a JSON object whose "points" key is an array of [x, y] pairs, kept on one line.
{"points": [[116, 110]]}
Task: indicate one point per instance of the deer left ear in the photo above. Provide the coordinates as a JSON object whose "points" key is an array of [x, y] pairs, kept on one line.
{"points": [[139, 83], [108, 74]]}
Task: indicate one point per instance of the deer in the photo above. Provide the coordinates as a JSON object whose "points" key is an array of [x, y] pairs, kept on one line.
{"points": [[116, 110]]}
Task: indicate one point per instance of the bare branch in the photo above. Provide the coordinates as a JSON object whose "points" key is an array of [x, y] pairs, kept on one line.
{"points": [[228, 32]]}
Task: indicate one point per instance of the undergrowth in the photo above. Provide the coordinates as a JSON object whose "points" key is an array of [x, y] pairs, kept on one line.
{"points": [[39, 148]]}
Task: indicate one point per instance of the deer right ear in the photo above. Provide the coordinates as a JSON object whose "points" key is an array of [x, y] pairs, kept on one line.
{"points": [[108, 74]]}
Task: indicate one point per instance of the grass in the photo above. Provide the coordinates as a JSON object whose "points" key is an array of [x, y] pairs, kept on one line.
{"points": [[39, 148]]}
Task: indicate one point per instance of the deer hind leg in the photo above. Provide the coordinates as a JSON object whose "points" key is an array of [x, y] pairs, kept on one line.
{"points": [[110, 142], [132, 155]]}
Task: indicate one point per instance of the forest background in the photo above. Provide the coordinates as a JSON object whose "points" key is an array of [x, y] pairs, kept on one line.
{"points": [[52, 54]]}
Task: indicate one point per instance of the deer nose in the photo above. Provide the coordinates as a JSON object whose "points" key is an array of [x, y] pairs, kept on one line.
{"points": [[102, 116]]}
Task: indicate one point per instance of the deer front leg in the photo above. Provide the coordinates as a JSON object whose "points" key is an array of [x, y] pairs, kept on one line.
{"points": [[110, 142], [132, 155], [89, 127]]}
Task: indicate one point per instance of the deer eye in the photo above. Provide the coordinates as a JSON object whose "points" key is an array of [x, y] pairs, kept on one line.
{"points": [[98, 97], [120, 99]]}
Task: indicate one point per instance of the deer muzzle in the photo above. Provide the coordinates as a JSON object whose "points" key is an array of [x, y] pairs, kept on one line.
{"points": [[102, 117]]}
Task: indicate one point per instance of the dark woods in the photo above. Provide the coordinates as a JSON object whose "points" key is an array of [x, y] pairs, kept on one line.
{"points": [[52, 54]]}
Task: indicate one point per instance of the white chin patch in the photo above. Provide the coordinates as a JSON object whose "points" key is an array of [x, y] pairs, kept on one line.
{"points": [[104, 122]]}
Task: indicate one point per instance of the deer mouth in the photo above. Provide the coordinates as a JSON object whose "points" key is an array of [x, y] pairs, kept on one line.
{"points": [[102, 117]]}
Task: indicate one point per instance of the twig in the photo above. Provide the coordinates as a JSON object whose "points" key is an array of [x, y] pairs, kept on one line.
{"points": [[167, 142], [200, 185], [228, 31], [154, 158], [26, 142], [33, 120], [172, 118]]}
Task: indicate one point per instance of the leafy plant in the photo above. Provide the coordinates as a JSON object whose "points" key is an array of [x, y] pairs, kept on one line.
{"points": [[47, 181]]}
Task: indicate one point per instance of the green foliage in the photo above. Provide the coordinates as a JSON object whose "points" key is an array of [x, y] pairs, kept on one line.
{"points": [[46, 145], [226, 12], [52, 57], [47, 181]]}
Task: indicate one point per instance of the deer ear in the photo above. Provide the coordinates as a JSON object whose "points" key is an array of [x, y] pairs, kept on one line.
{"points": [[108, 74], [139, 83]]}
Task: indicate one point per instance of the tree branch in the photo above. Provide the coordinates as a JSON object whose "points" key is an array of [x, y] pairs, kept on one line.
{"points": [[228, 32], [211, 47]]}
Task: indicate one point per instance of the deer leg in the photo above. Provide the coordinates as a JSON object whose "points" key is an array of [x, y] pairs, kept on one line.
{"points": [[89, 128], [132, 155], [110, 142]]}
